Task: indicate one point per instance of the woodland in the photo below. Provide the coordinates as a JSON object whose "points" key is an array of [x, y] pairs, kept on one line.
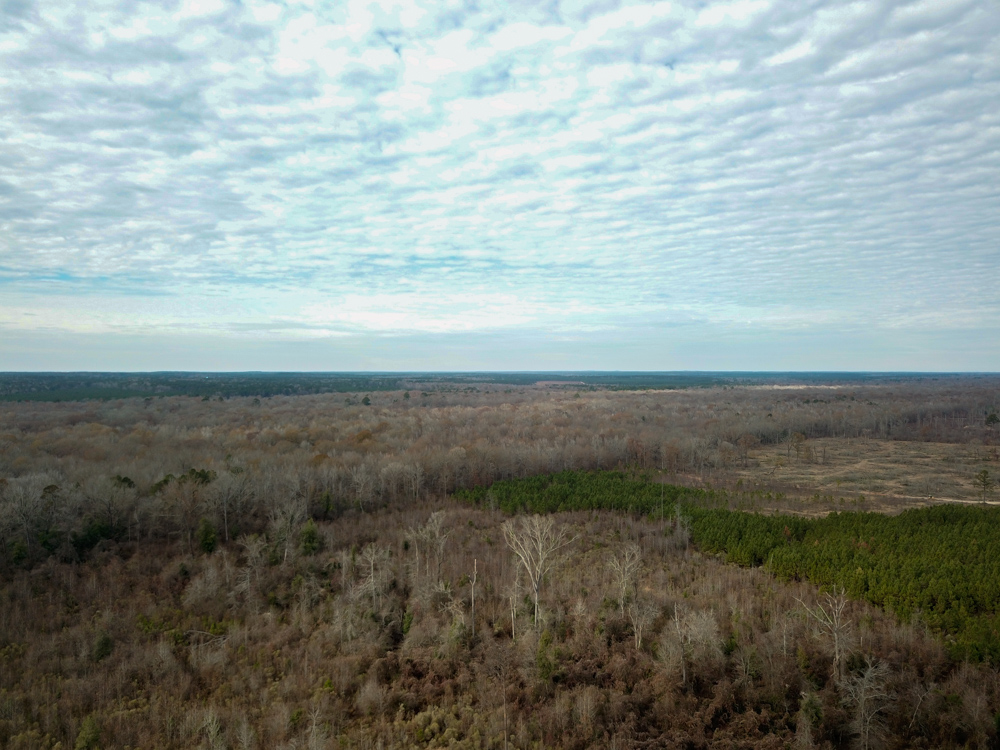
{"points": [[505, 565]]}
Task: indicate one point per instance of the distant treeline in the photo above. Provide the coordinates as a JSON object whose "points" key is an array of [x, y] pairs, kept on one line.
{"points": [[939, 563], [79, 386]]}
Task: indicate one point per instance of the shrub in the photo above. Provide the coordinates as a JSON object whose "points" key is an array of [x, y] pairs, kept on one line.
{"points": [[310, 540], [103, 645], [89, 736], [207, 538]]}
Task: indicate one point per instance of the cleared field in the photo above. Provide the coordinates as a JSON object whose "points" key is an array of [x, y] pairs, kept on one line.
{"points": [[888, 474]]}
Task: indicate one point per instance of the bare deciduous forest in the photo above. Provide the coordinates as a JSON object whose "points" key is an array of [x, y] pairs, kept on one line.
{"points": [[297, 571]]}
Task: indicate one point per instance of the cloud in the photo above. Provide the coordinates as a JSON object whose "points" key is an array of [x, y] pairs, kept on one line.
{"points": [[363, 168]]}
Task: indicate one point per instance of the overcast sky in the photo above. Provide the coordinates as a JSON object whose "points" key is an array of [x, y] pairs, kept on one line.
{"points": [[225, 185]]}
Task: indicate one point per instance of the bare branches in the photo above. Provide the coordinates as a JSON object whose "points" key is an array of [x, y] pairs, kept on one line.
{"points": [[641, 615], [472, 581], [285, 518], [868, 695], [374, 559], [536, 541], [231, 496], [432, 538], [625, 568], [697, 636], [833, 621]]}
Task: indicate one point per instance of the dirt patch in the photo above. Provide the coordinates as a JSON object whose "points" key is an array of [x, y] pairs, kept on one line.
{"points": [[816, 477]]}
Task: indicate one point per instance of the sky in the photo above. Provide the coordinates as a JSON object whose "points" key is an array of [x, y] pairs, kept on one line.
{"points": [[544, 185]]}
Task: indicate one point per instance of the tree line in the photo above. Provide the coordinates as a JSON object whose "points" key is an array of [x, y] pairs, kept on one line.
{"points": [[938, 564]]}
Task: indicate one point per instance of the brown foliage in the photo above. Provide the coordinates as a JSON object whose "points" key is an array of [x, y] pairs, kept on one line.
{"points": [[111, 614]]}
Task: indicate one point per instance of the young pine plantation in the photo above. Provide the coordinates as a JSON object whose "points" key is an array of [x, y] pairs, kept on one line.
{"points": [[524, 567]]}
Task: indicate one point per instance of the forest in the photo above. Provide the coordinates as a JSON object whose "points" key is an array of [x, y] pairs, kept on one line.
{"points": [[937, 563], [512, 565], [103, 386]]}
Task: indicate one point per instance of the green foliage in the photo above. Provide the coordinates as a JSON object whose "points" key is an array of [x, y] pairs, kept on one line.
{"points": [[745, 538], [93, 532], [103, 646], [984, 483], [215, 627], [310, 540], [207, 538], [18, 552], [939, 563], [580, 490], [157, 486], [547, 664], [89, 736], [33, 386], [327, 504], [196, 476], [366, 401], [811, 709]]}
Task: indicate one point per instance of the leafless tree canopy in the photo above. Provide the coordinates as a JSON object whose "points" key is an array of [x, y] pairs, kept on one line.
{"points": [[182, 573], [537, 542]]}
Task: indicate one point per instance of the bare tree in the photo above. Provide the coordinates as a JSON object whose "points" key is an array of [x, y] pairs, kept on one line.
{"points": [[414, 480], [231, 496], [214, 732], [392, 478], [373, 561], [184, 503], [284, 520], [111, 502], [22, 508], [472, 581], [318, 734], [248, 577], [436, 536], [681, 537], [868, 696], [415, 538], [452, 606], [363, 479], [920, 692], [246, 738], [642, 615], [697, 636], [746, 443], [513, 594], [499, 665], [536, 541], [254, 547], [625, 568], [833, 621], [347, 567], [432, 538]]}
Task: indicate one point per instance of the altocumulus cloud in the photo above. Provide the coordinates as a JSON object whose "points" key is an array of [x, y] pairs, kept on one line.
{"points": [[562, 184]]}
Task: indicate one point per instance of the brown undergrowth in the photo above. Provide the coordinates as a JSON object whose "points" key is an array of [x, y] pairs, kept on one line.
{"points": [[334, 610], [371, 642]]}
